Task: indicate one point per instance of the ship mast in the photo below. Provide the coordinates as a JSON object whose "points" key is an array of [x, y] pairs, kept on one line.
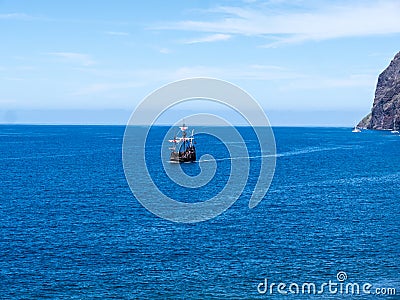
{"points": [[183, 129]]}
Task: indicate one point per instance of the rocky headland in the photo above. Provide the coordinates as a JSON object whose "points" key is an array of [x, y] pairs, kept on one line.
{"points": [[385, 112]]}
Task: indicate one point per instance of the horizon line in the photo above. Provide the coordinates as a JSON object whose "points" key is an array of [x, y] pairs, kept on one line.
{"points": [[169, 125]]}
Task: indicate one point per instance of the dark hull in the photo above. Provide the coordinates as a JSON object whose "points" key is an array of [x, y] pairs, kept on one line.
{"points": [[187, 156]]}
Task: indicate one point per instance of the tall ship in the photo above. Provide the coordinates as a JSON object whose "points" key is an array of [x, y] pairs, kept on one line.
{"points": [[182, 148]]}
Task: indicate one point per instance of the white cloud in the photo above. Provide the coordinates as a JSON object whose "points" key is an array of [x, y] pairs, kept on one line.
{"points": [[73, 57], [96, 88], [281, 77], [122, 80], [293, 26], [165, 51], [15, 16], [12, 78], [117, 33], [348, 81], [209, 38], [25, 68], [7, 101], [266, 67]]}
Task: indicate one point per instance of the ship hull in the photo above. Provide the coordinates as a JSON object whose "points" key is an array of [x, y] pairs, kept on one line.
{"points": [[182, 157]]}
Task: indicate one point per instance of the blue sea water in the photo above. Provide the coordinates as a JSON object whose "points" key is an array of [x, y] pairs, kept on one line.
{"points": [[71, 228]]}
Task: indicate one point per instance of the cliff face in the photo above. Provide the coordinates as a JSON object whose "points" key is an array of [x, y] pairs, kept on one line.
{"points": [[385, 113]]}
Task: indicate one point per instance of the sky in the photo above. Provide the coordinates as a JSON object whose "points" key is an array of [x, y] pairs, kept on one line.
{"points": [[305, 62]]}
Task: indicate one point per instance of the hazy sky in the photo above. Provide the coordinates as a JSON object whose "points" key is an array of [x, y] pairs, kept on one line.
{"points": [[290, 55]]}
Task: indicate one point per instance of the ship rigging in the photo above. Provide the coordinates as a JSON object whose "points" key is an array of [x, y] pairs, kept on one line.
{"points": [[183, 149]]}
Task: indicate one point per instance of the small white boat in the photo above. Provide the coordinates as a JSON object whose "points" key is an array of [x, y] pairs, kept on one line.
{"points": [[356, 129], [395, 131]]}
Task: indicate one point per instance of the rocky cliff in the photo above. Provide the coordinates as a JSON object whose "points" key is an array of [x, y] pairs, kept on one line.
{"points": [[385, 113]]}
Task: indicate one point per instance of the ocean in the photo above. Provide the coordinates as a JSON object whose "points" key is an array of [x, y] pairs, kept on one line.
{"points": [[72, 229]]}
